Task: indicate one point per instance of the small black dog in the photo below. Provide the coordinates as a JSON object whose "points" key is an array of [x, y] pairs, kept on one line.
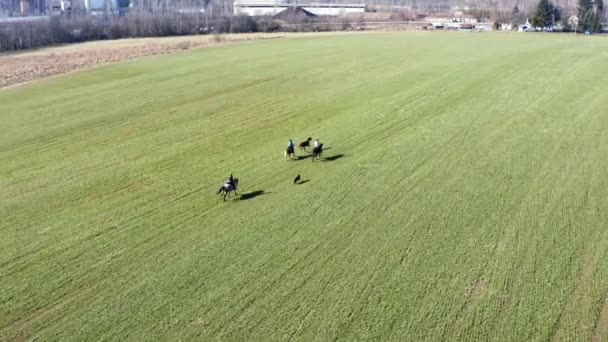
{"points": [[295, 181]]}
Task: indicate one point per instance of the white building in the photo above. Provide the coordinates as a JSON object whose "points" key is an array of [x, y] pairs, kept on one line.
{"points": [[100, 6], [273, 7]]}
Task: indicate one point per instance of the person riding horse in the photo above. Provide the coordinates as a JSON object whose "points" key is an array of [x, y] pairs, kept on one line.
{"points": [[230, 180], [229, 186], [290, 151], [317, 151]]}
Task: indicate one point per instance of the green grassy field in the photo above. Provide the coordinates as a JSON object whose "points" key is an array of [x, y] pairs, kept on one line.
{"points": [[466, 198]]}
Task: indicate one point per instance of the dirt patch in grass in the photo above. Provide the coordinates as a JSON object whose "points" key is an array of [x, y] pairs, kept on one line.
{"points": [[580, 296], [477, 289], [22, 67]]}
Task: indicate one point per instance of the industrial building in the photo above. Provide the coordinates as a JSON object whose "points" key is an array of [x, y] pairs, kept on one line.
{"points": [[274, 7], [45, 7]]}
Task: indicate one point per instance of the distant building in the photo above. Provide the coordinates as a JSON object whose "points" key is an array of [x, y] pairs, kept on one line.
{"points": [[294, 13], [525, 27], [191, 10], [274, 7], [83, 6], [23, 7], [97, 7], [573, 21]]}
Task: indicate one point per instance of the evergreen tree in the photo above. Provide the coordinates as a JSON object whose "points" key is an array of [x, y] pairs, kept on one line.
{"points": [[515, 11], [595, 24], [588, 16], [544, 15], [124, 3], [517, 18], [557, 14], [599, 5]]}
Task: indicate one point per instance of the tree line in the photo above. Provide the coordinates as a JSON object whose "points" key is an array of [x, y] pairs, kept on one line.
{"points": [[590, 14], [73, 29]]}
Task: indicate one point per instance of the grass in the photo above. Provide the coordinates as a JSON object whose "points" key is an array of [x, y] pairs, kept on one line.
{"points": [[467, 200]]}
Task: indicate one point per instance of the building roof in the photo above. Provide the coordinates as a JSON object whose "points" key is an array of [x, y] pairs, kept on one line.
{"points": [[257, 2], [276, 4], [294, 13]]}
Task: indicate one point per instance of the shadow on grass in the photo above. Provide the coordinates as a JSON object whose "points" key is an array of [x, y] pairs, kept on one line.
{"points": [[304, 157], [334, 157], [303, 182], [252, 194]]}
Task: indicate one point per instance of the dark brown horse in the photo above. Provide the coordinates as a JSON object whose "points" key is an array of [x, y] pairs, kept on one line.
{"points": [[304, 145]]}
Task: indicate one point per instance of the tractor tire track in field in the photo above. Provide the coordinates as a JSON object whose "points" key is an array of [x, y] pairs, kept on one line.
{"points": [[265, 291], [98, 282], [348, 184], [585, 291], [582, 288], [600, 331], [60, 303], [590, 257]]}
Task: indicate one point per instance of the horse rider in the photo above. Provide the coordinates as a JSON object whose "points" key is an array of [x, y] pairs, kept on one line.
{"points": [[316, 143], [230, 180], [290, 144]]}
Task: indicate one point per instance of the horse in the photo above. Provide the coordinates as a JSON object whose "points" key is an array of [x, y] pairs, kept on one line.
{"points": [[227, 188], [305, 144], [289, 152], [317, 152]]}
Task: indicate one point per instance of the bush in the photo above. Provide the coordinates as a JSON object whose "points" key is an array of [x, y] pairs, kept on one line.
{"points": [[269, 25], [243, 24]]}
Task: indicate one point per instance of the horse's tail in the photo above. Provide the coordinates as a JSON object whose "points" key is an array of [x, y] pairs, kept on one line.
{"points": [[220, 190]]}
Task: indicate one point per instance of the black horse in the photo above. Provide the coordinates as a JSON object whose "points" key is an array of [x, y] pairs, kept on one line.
{"points": [[317, 152], [304, 145], [227, 188], [290, 152]]}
